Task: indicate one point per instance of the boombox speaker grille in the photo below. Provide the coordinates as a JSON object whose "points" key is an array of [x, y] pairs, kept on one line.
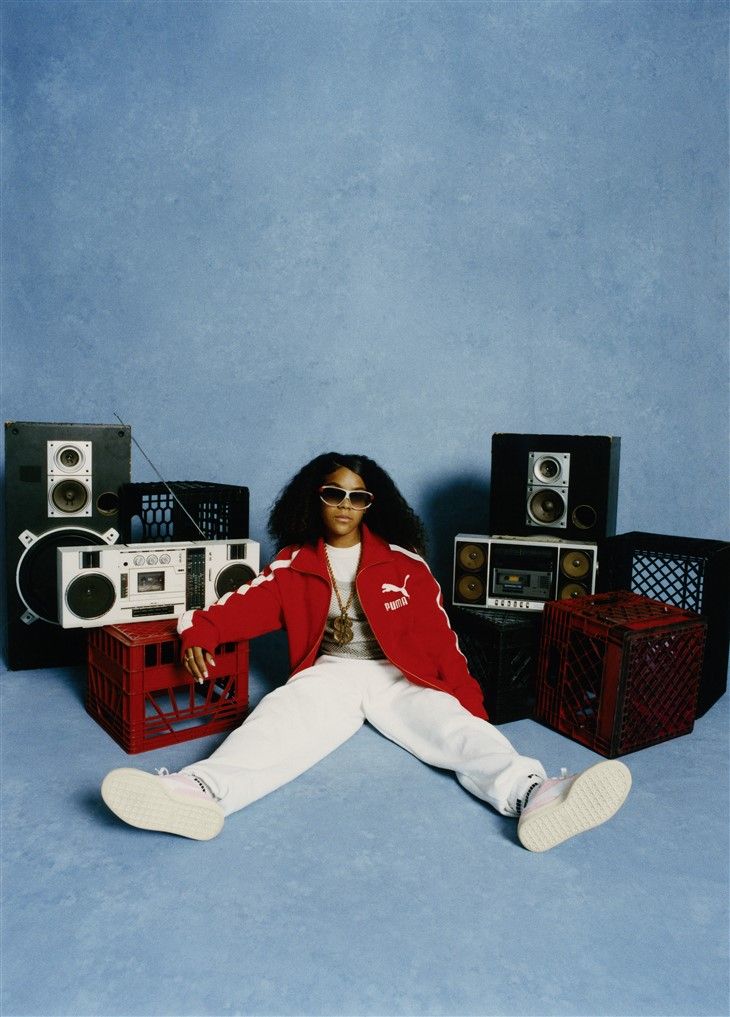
{"points": [[232, 577], [90, 596]]}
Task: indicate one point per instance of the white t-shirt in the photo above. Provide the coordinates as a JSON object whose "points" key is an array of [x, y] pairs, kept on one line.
{"points": [[343, 562]]}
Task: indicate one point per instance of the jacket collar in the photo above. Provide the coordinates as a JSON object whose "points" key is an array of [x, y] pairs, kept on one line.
{"points": [[312, 558]]}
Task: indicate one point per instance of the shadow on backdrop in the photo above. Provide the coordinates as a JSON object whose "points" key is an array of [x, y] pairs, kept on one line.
{"points": [[451, 507]]}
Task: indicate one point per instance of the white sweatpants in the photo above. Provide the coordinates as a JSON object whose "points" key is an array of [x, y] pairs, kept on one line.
{"points": [[298, 724]]}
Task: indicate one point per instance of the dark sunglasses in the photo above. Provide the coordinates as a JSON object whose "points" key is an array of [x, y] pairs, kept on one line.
{"points": [[335, 496]]}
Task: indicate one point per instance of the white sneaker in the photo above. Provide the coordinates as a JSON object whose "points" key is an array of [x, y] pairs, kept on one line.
{"points": [[169, 802], [562, 807]]}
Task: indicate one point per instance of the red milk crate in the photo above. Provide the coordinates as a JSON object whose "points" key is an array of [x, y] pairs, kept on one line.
{"points": [[619, 672], [140, 693]]}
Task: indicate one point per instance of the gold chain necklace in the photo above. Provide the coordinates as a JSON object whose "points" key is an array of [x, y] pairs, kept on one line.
{"points": [[342, 626]]}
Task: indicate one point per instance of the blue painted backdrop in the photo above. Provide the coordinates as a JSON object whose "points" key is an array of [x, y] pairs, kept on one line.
{"points": [[260, 230]]}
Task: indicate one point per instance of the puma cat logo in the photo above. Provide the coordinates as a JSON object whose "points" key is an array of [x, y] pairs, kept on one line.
{"points": [[393, 605]]}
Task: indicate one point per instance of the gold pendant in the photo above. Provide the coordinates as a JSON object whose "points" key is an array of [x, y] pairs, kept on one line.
{"points": [[342, 630]]}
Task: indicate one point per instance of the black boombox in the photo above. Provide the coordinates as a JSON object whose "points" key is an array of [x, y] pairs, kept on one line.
{"points": [[521, 573]]}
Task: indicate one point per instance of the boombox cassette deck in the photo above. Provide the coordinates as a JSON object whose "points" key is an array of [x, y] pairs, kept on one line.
{"points": [[118, 583], [521, 573]]}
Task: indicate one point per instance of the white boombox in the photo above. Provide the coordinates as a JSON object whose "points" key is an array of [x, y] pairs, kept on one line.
{"points": [[121, 583], [521, 573]]}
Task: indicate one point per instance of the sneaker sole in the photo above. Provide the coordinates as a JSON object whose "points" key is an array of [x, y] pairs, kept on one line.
{"points": [[595, 795], [142, 800]]}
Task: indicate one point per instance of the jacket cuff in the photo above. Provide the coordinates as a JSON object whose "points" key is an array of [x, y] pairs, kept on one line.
{"points": [[197, 631]]}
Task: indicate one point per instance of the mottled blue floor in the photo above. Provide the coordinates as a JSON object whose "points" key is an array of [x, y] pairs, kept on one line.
{"points": [[372, 885]]}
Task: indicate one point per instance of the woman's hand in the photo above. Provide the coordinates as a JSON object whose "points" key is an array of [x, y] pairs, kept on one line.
{"points": [[196, 661]]}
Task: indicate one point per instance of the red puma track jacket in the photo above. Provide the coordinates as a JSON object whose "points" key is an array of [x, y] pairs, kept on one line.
{"points": [[400, 597]]}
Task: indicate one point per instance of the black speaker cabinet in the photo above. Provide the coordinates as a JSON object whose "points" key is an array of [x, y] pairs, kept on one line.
{"points": [[560, 485], [61, 489], [687, 572]]}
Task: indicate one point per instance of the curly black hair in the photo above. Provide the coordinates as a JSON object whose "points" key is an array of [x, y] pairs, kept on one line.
{"points": [[296, 515]]}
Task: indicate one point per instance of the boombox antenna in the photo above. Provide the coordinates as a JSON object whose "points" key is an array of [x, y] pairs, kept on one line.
{"points": [[161, 477]]}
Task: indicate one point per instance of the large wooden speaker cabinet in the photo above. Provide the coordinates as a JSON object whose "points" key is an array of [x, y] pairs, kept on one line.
{"points": [[61, 489]]}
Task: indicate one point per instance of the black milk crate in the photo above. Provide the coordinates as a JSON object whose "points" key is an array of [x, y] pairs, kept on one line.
{"points": [[687, 572], [618, 671], [149, 514], [501, 648]]}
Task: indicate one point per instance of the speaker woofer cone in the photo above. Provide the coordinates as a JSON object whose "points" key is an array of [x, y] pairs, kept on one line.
{"points": [[472, 557], [571, 590], [69, 496], [546, 506], [90, 596], [38, 570], [471, 588], [575, 564], [232, 577]]}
